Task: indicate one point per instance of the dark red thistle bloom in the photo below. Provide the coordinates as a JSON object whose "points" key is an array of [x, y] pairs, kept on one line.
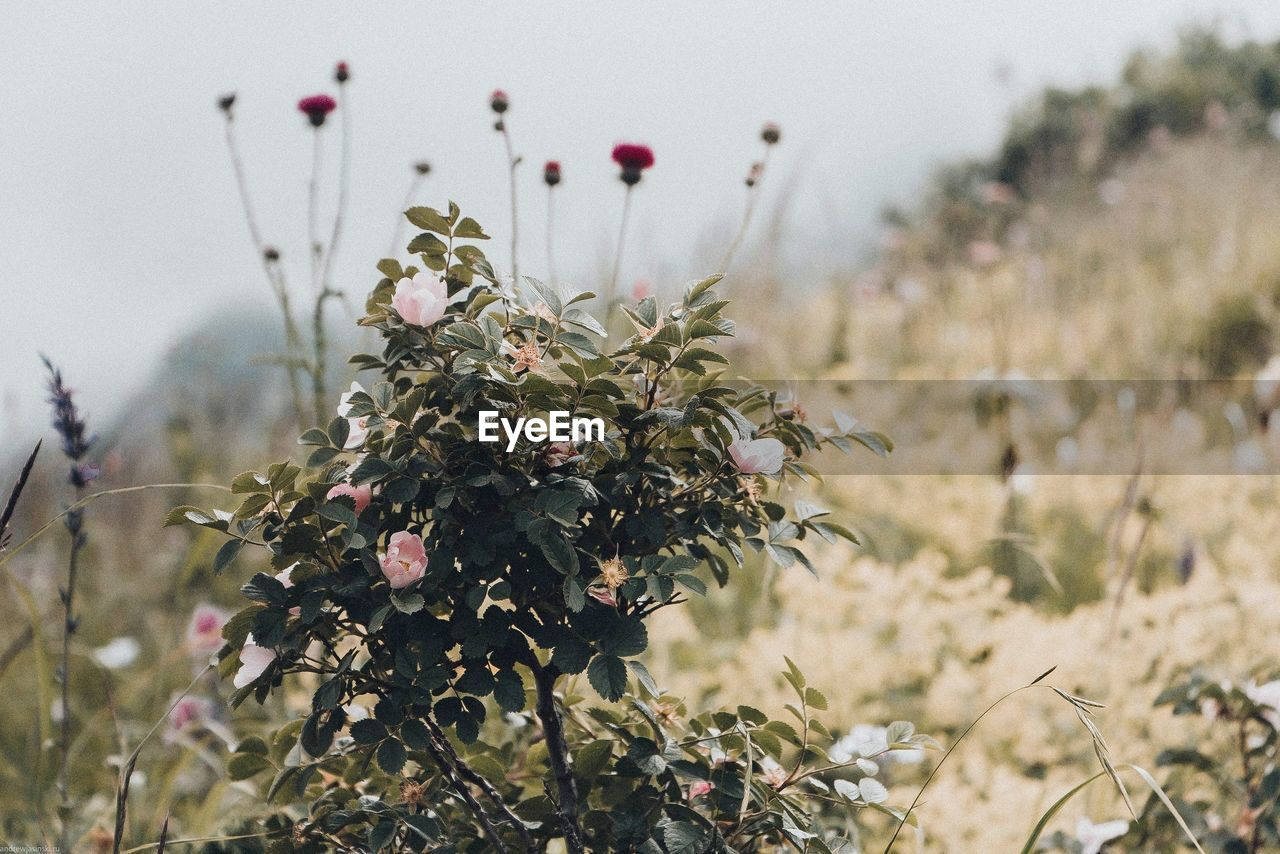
{"points": [[551, 173], [317, 108], [498, 101], [633, 159], [341, 72]]}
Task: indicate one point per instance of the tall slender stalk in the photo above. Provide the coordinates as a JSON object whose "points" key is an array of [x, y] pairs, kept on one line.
{"points": [[611, 294], [420, 172], [313, 209], [269, 257], [76, 443], [512, 163], [551, 254], [753, 195]]}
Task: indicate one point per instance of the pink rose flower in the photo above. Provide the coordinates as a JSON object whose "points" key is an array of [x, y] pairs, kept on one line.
{"points": [[204, 630], [359, 429], [361, 495], [405, 560], [758, 456], [420, 301], [254, 661]]}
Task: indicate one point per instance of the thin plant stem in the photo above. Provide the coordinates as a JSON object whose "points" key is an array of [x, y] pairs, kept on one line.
{"points": [[551, 254], [753, 195], [612, 291], [344, 190], [313, 210], [415, 184], [512, 162], [64, 728], [126, 771], [566, 805], [275, 276]]}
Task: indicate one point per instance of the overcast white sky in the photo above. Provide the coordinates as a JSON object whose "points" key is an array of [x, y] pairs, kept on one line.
{"points": [[120, 227]]}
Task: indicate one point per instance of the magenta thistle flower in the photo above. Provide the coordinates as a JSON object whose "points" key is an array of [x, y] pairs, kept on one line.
{"points": [[551, 173], [633, 159], [317, 108]]}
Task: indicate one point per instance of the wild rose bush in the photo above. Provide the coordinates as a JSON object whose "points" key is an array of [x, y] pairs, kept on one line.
{"points": [[441, 598]]}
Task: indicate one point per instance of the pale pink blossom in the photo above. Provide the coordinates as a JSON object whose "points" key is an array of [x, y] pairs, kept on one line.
{"points": [[698, 788], [283, 576], [758, 456], [640, 289], [558, 453], [189, 712], [361, 495], [984, 253], [204, 629], [359, 429], [603, 595], [254, 661], [420, 301], [405, 560]]}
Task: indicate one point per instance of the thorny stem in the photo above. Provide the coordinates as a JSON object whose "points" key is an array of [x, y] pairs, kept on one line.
{"points": [[451, 774], [617, 257], [558, 754], [471, 776]]}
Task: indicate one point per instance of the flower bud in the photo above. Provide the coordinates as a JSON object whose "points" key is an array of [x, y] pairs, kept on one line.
{"points": [[551, 173], [422, 167], [498, 101], [226, 102], [270, 253], [771, 133], [341, 73]]}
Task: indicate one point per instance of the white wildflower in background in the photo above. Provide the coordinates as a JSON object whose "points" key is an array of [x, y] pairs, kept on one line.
{"points": [[1092, 837], [117, 654]]}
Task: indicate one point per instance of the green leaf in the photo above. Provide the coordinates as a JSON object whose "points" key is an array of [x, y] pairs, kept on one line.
{"points": [[429, 219], [368, 731], [626, 637], [508, 690], [608, 675], [391, 756], [242, 766]]}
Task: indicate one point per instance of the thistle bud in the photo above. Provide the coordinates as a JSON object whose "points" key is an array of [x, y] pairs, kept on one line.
{"points": [[771, 133], [551, 173], [754, 175], [271, 254], [226, 102], [422, 167], [498, 101], [341, 73]]}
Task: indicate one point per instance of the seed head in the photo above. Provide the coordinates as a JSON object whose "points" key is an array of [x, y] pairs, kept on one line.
{"points": [[422, 167], [317, 108], [613, 573], [551, 173]]}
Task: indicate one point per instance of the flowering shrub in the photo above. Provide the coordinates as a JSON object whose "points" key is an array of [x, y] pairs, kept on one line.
{"points": [[440, 596], [1228, 786]]}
